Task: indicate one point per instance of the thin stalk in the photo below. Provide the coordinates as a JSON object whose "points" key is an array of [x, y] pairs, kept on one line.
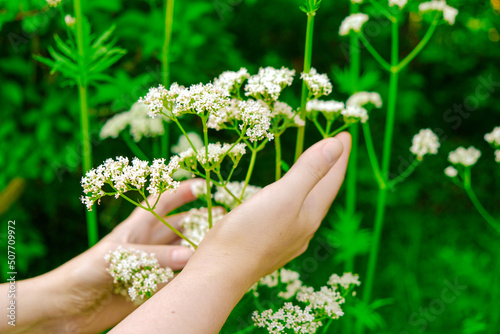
{"points": [[172, 228], [375, 53], [207, 175], [342, 128], [372, 156], [165, 63], [179, 125], [277, 145], [408, 171], [250, 170], [386, 159], [327, 326], [132, 145], [477, 204], [419, 46], [319, 127], [303, 100], [92, 227]]}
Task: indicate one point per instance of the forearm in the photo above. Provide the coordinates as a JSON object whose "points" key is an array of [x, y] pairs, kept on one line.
{"points": [[198, 300], [32, 306]]}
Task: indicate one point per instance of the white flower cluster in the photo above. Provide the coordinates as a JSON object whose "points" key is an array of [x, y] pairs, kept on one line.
{"points": [[326, 107], [497, 156], [354, 114], [122, 176], [450, 171], [232, 81], [69, 20], [288, 317], [140, 124], [353, 22], [268, 83], [53, 3], [216, 152], [326, 300], [136, 273], [424, 142], [283, 116], [345, 281], [399, 3], [449, 13], [200, 99], [465, 157], [221, 196], [289, 278], [318, 84], [195, 224], [158, 97], [493, 137], [361, 99]]}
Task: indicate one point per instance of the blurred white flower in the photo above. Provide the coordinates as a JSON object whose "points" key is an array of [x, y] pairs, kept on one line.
{"points": [[449, 13], [361, 99], [345, 280], [497, 156], [140, 124], [465, 157], [450, 171], [493, 137], [69, 20], [136, 273], [399, 3], [353, 22], [424, 142], [232, 81], [332, 108], [216, 152], [195, 224], [53, 3], [354, 114]]}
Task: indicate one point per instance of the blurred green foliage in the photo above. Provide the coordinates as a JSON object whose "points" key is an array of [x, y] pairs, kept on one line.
{"points": [[433, 236]]}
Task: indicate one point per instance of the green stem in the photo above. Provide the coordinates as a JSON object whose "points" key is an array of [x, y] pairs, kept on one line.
{"points": [[92, 226], [319, 127], [165, 62], [342, 128], [277, 145], [179, 125], [383, 10], [172, 228], [372, 156], [386, 159], [207, 174], [132, 145], [306, 67], [374, 53], [250, 170], [404, 174], [477, 204], [327, 326], [419, 46]]}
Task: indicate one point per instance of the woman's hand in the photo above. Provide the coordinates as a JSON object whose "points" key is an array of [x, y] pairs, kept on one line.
{"points": [[78, 296]]}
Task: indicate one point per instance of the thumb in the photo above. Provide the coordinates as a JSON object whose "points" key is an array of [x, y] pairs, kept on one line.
{"points": [[311, 167]]}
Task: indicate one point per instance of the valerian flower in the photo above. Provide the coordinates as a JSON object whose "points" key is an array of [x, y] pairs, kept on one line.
{"points": [[268, 83], [53, 3], [232, 81], [135, 273], [449, 13], [353, 22], [354, 114], [222, 196], [493, 137], [362, 99], [195, 224], [318, 84], [211, 157], [330, 109], [465, 157], [345, 281], [290, 317], [450, 172], [424, 142], [399, 3], [69, 20]]}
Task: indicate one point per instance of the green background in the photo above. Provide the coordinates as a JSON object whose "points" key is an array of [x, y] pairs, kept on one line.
{"points": [[432, 236]]}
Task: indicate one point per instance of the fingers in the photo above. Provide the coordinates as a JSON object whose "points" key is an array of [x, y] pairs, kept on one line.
{"points": [[174, 257], [311, 167], [324, 192]]}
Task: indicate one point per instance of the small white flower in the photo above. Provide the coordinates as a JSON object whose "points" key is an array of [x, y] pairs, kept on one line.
{"points": [[53, 3], [328, 108], [449, 13], [318, 84], [450, 171], [497, 156], [268, 83], [357, 1], [288, 317], [200, 99], [69, 20], [232, 81], [354, 114], [195, 224], [361, 99], [345, 280], [136, 273], [211, 157], [326, 299], [465, 157], [399, 3], [353, 22], [222, 196], [424, 142], [493, 137]]}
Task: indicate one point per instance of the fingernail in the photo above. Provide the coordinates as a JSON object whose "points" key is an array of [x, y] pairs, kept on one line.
{"points": [[332, 149], [181, 255]]}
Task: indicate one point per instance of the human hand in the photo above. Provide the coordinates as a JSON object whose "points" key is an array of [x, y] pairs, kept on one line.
{"points": [[86, 289]]}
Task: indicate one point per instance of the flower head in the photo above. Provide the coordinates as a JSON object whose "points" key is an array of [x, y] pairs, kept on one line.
{"points": [[69, 20], [53, 3], [330, 109], [201, 99], [465, 157], [399, 3], [268, 83], [288, 317], [211, 157], [362, 99], [354, 114], [449, 13], [318, 84], [450, 171], [195, 224], [232, 81], [493, 137], [353, 22], [136, 273], [327, 299], [161, 100], [497, 156], [424, 142], [345, 281]]}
